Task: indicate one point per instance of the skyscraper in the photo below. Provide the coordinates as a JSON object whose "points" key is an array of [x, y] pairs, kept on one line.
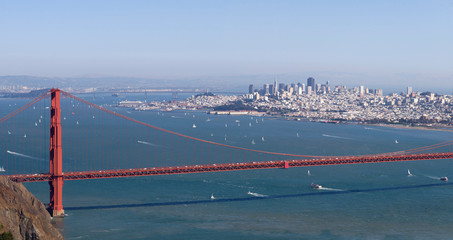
{"points": [[251, 89], [311, 83], [409, 90], [275, 90], [266, 89]]}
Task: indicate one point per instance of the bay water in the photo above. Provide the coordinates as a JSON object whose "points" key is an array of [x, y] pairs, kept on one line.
{"points": [[361, 201]]}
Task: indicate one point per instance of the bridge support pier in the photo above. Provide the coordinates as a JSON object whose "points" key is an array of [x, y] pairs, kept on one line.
{"points": [[56, 161]]}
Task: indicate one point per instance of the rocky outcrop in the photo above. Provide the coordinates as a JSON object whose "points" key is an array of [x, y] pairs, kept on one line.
{"points": [[23, 214]]}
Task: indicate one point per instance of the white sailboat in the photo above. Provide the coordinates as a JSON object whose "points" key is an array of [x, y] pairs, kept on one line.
{"points": [[297, 134], [262, 139], [409, 174], [194, 126], [308, 173], [2, 169], [396, 141], [253, 141], [25, 135], [250, 124], [9, 133], [212, 196]]}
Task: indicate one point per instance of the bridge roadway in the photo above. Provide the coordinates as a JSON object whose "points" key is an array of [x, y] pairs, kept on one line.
{"points": [[231, 167]]}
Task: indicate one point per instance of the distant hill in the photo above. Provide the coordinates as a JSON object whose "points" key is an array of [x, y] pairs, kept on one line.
{"points": [[31, 94]]}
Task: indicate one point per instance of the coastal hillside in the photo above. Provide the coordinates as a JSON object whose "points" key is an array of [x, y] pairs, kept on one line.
{"points": [[22, 215]]}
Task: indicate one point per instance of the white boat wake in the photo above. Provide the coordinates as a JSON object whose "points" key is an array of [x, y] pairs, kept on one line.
{"points": [[432, 177], [330, 189], [24, 156], [333, 136], [148, 143], [256, 194]]}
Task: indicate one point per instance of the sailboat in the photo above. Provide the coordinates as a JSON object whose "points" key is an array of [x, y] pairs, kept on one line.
{"points": [[262, 139], [226, 125], [409, 174], [194, 126], [253, 141], [250, 124], [212, 196], [9, 133], [308, 173], [25, 135], [396, 141], [2, 169], [297, 134]]}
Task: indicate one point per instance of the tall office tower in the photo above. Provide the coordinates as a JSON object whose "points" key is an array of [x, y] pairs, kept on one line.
{"points": [[271, 89], [303, 87], [274, 92], [311, 83], [362, 90], [251, 89], [378, 92], [318, 87], [308, 90], [409, 90], [266, 89], [281, 87]]}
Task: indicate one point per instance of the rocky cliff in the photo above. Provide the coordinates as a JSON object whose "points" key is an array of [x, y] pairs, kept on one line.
{"points": [[23, 214]]}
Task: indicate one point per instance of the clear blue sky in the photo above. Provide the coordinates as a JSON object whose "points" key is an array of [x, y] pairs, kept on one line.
{"points": [[377, 42]]}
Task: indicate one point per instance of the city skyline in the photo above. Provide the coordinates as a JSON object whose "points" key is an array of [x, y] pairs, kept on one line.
{"points": [[394, 44]]}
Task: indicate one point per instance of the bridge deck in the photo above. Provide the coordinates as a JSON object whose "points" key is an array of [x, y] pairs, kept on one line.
{"points": [[230, 167]]}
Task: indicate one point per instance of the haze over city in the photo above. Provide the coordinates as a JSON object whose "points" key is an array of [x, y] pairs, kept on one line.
{"points": [[383, 44]]}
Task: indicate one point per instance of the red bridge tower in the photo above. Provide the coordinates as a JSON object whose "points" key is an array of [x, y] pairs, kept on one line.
{"points": [[56, 163]]}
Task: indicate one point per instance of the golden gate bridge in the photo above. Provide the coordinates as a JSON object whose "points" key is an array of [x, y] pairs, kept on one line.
{"points": [[83, 124]]}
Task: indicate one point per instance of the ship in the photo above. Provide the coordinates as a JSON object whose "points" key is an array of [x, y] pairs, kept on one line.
{"points": [[315, 186], [445, 179]]}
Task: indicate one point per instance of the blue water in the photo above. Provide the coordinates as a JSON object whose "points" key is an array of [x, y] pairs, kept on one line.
{"points": [[366, 201]]}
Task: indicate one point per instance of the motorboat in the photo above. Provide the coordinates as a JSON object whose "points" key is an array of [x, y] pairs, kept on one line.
{"points": [[315, 186], [445, 179]]}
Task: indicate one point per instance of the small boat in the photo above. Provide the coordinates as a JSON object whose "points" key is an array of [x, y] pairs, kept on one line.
{"points": [[315, 186], [115, 95], [250, 124], [212, 134], [9, 133], [396, 141], [77, 122], [409, 174], [297, 134], [212, 196], [194, 126], [308, 173], [445, 179], [25, 135], [2, 169], [253, 141], [237, 121], [226, 125], [262, 139], [208, 120]]}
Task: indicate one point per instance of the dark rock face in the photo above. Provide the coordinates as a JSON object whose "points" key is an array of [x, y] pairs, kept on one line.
{"points": [[23, 214]]}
